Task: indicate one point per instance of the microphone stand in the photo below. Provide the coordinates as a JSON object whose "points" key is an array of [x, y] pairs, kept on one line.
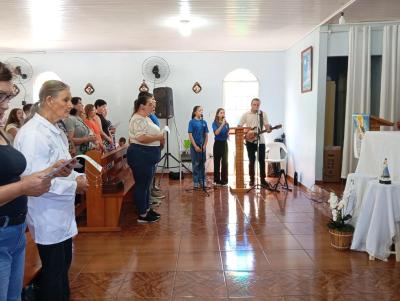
{"points": [[202, 160], [257, 185]]}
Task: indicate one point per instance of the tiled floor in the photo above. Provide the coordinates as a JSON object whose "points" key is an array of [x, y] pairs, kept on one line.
{"points": [[260, 246]]}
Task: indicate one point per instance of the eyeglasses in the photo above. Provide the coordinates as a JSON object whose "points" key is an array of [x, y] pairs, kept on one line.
{"points": [[4, 96]]}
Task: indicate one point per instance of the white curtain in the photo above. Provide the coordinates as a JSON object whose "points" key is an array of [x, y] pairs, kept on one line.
{"points": [[390, 80], [358, 96]]}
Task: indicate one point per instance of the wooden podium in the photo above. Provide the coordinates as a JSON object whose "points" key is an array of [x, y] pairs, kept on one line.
{"points": [[239, 133], [375, 123]]}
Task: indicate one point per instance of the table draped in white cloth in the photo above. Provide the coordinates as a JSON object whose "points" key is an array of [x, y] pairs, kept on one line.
{"points": [[375, 147], [358, 190], [378, 221]]}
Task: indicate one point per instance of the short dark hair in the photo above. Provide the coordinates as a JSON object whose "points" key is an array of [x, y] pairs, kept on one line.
{"points": [[75, 100], [145, 93], [142, 100], [122, 139], [99, 103], [73, 112], [27, 108]]}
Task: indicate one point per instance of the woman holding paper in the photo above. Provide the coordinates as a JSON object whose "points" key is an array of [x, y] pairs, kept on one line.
{"points": [[51, 216], [14, 189], [143, 154]]}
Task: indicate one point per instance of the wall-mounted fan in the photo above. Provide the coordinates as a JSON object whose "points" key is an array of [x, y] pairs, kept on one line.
{"points": [[155, 70], [21, 69]]}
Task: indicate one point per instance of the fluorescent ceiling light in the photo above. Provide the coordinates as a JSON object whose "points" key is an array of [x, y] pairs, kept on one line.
{"points": [[46, 20], [185, 22], [184, 25]]}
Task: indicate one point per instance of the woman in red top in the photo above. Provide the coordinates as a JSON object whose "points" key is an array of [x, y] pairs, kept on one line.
{"points": [[92, 124]]}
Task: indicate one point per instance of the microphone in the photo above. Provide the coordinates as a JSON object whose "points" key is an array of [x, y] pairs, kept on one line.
{"points": [[201, 116]]}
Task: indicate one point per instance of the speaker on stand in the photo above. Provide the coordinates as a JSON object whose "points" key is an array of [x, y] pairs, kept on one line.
{"points": [[165, 110]]}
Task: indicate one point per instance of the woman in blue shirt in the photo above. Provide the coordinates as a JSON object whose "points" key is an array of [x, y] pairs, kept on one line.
{"points": [[198, 135], [220, 149]]}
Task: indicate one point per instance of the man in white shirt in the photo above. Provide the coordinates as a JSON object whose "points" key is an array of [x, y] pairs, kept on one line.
{"points": [[258, 121]]}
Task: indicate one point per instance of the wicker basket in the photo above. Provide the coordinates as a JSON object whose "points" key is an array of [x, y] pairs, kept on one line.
{"points": [[340, 240]]}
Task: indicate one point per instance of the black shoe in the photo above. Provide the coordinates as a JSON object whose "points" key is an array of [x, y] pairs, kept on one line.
{"points": [[147, 219], [251, 183], [154, 213]]}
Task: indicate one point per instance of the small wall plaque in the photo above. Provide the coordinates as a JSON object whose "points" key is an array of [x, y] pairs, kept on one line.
{"points": [[89, 89], [196, 88], [143, 87]]}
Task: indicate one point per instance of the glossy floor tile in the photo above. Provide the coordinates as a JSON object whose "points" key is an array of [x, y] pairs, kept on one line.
{"points": [[256, 247]]}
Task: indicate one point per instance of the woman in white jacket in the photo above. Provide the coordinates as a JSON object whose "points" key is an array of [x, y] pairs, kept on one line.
{"points": [[51, 216]]}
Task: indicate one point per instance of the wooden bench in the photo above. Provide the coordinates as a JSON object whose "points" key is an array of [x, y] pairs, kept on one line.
{"points": [[32, 260], [103, 208]]}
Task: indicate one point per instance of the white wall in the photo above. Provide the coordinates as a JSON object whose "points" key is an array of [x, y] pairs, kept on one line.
{"points": [[301, 111], [117, 76], [338, 39]]}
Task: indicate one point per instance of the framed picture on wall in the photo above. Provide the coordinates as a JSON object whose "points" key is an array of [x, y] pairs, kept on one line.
{"points": [[306, 69]]}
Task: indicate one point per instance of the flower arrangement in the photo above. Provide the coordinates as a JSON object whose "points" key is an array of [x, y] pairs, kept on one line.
{"points": [[340, 219]]}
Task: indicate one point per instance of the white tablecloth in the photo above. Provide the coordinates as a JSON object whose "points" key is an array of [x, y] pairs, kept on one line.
{"points": [[378, 222], [355, 202], [375, 147]]}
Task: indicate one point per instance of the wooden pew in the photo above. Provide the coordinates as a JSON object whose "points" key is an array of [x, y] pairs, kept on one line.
{"points": [[32, 260], [103, 206]]}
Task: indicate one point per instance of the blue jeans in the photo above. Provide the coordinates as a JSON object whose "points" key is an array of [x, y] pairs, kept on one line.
{"points": [[142, 160], [198, 162], [12, 260]]}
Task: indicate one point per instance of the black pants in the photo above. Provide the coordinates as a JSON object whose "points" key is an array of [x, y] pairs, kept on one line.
{"points": [[220, 154], [56, 260], [79, 197], [251, 152]]}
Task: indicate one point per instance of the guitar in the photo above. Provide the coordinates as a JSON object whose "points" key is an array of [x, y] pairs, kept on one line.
{"points": [[252, 136]]}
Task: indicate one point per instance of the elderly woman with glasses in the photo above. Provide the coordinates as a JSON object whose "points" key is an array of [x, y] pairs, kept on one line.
{"points": [[14, 190]]}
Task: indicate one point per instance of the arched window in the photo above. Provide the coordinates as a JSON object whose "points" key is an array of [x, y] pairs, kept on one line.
{"points": [[40, 79], [239, 88]]}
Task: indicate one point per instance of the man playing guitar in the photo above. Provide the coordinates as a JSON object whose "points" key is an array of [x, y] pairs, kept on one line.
{"points": [[258, 121]]}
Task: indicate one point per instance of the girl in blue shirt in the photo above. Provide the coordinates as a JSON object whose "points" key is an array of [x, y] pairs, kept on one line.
{"points": [[220, 149], [198, 135]]}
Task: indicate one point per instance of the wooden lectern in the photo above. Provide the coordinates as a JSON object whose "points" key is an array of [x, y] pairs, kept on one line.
{"points": [[239, 133], [375, 123]]}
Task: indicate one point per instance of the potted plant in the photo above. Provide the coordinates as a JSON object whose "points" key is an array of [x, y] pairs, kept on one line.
{"points": [[341, 232]]}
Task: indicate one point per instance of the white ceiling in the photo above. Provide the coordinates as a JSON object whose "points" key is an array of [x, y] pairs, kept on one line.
{"points": [[127, 25], [371, 11]]}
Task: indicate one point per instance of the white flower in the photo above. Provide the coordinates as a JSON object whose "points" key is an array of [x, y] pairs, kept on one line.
{"points": [[334, 215], [333, 199], [341, 204]]}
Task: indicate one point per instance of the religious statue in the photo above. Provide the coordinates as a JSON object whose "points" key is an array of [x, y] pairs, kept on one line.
{"points": [[385, 177]]}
